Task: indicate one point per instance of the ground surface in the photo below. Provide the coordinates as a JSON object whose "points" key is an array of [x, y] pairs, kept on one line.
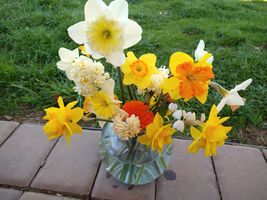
{"points": [[32, 31], [31, 167]]}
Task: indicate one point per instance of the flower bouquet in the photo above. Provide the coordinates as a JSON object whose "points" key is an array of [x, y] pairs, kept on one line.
{"points": [[139, 122]]}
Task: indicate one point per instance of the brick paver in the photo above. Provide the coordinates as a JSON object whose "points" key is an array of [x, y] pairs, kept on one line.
{"points": [[39, 196], [195, 178], [9, 194], [265, 153], [242, 173], [106, 187], [71, 168], [6, 129], [22, 154]]}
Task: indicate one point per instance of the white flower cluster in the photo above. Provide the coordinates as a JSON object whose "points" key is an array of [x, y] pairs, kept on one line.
{"points": [[88, 75], [184, 118], [156, 80], [128, 128]]}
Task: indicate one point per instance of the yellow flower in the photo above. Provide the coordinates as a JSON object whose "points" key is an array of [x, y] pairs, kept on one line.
{"points": [[62, 120], [103, 105], [103, 102], [139, 71], [212, 134], [157, 135], [189, 79]]}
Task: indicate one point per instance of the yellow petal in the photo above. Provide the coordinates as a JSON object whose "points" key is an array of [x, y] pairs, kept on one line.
{"points": [[178, 58], [76, 114], [71, 104], [195, 133], [171, 86], [129, 79], [149, 58], [60, 102], [213, 112], [207, 150], [125, 68], [203, 98], [75, 128], [143, 139]]}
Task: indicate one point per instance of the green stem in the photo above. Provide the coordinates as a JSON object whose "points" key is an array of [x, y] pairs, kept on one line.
{"points": [[130, 92], [121, 85], [99, 119], [157, 103]]}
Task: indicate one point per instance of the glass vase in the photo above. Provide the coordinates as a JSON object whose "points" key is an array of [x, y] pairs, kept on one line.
{"points": [[129, 161]]}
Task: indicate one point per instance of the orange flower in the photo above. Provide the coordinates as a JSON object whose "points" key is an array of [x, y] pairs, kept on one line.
{"points": [[193, 79], [189, 79], [139, 109]]}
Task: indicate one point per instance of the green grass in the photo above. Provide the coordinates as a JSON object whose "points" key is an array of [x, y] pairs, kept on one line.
{"points": [[32, 31]]}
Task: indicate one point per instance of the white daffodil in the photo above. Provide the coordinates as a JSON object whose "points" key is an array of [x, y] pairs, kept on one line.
{"points": [[201, 54], [106, 31], [67, 57], [232, 98]]}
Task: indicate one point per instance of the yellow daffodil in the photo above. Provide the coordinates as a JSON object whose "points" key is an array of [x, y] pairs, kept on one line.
{"points": [[138, 71], [157, 135], [189, 79], [62, 121], [211, 135], [106, 30], [103, 102]]}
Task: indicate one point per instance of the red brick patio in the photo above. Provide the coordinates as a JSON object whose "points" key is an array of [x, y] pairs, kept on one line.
{"points": [[33, 168]]}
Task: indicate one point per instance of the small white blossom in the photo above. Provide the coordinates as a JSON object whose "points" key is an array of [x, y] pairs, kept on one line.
{"points": [[157, 79], [179, 125], [172, 107], [177, 114]]}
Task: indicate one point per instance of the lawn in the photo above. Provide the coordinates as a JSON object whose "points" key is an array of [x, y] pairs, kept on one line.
{"points": [[32, 31]]}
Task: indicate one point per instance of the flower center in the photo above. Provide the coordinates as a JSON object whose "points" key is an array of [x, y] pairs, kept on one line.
{"points": [[105, 36], [139, 68]]}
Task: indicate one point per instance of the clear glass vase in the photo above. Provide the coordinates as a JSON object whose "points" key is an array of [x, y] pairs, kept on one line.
{"points": [[129, 161]]}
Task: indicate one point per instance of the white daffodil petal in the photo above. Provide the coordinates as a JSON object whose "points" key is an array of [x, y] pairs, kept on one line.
{"points": [[210, 59], [179, 125], [119, 10], [172, 107], [94, 54], [108, 87], [221, 104], [116, 59], [243, 85], [234, 99], [67, 55], [132, 33], [177, 114], [77, 32], [94, 9], [199, 50]]}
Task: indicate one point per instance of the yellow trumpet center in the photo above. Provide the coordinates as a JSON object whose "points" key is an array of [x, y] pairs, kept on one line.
{"points": [[139, 68], [105, 36]]}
